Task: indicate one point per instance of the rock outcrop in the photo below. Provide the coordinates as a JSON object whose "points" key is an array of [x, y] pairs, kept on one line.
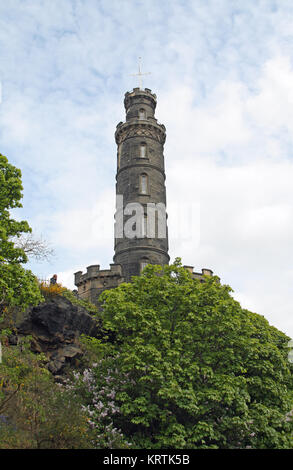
{"points": [[55, 326]]}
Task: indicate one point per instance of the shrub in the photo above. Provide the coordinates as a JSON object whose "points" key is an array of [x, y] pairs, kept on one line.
{"points": [[51, 290], [36, 412]]}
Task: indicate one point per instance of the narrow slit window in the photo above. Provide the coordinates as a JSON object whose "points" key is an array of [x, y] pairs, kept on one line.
{"points": [[119, 157], [143, 184], [141, 114], [142, 152], [144, 225]]}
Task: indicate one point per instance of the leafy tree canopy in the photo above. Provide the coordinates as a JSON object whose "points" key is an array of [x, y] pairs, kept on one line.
{"points": [[17, 285], [10, 196], [203, 372]]}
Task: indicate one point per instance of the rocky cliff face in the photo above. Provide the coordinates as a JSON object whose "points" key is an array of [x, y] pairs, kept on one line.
{"points": [[55, 326]]}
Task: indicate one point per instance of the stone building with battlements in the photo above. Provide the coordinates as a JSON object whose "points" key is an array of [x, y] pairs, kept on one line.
{"points": [[142, 238]]}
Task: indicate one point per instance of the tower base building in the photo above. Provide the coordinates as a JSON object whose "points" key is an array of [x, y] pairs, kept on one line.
{"points": [[92, 283]]}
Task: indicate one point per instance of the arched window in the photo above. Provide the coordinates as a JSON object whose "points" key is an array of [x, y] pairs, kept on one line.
{"points": [[143, 184], [142, 150], [141, 114]]}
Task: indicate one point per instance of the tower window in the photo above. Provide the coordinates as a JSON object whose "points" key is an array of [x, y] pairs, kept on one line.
{"points": [[141, 114], [143, 184], [119, 156], [144, 262], [142, 150], [144, 225]]}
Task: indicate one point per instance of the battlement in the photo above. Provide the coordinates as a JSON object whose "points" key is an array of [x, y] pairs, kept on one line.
{"points": [[95, 280], [139, 96], [204, 272], [139, 91], [94, 271]]}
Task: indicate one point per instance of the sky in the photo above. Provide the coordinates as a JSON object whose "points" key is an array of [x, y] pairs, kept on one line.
{"points": [[222, 71]]}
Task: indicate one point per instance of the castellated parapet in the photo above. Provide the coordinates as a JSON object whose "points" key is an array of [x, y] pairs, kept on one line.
{"points": [[200, 276], [92, 283]]}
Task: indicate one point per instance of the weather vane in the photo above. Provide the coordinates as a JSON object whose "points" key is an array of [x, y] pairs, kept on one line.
{"points": [[140, 74]]}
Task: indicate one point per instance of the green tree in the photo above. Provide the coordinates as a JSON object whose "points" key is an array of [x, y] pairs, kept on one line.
{"points": [[36, 412], [18, 286], [203, 372]]}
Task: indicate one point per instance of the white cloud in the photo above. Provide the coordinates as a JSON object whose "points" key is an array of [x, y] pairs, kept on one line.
{"points": [[90, 226], [66, 278], [271, 108]]}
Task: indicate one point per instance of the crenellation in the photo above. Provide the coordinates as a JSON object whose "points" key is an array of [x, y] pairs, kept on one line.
{"points": [[77, 277], [189, 268], [93, 270], [195, 275], [204, 272], [94, 281], [207, 272]]}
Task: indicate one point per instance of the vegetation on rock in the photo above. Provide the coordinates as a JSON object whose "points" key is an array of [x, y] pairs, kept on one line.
{"points": [[35, 412], [89, 306]]}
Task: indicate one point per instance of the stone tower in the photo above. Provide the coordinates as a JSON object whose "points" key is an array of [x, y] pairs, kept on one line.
{"points": [[141, 235], [140, 179]]}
